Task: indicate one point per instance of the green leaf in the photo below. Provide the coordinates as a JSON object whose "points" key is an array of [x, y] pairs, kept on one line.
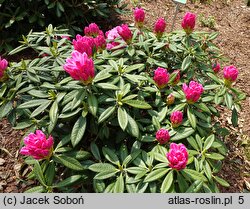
{"points": [[106, 114], [182, 133], [99, 186], [50, 173], [193, 143], [95, 151], [183, 185], [207, 170], [156, 174], [122, 118], [234, 118], [102, 167], [119, 185], [107, 86], [40, 109], [53, 113], [222, 181], [93, 104], [39, 173], [186, 63], [191, 117], [68, 181], [195, 175], [138, 104], [36, 189], [105, 175], [110, 155], [78, 130], [113, 64], [23, 125], [228, 100], [134, 67], [69, 162], [5, 109], [132, 127], [32, 103], [102, 75], [215, 156], [195, 187], [209, 141], [167, 183]]}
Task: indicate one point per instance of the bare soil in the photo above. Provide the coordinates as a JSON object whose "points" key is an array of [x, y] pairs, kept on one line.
{"points": [[232, 21]]}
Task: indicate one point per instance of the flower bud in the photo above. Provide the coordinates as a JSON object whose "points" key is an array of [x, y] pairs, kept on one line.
{"points": [[125, 33], [216, 67], [188, 22], [162, 136], [193, 91], [177, 156], [161, 77], [3, 67], [83, 44], [80, 67], [92, 30], [139, 16], [170, 99], [160, 27], [230, 74], [176, 118], [37, 146]]}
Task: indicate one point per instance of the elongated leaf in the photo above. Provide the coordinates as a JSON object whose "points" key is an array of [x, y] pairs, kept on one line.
{"points": [[156, 174], [37, 189], [134, 67], [105, 175], [68, 181], [53, 113], [122, 118], [209, 141], [167, 183], [191, 117], [222, 181], [32, 103], [215, 156], [228, 100], [195, 175], [5, 109], [107, 86], [207, 170], [182, 133], [78, 130], [138, 104], [195, 187], [186, 63], [93, 104], [95, 151], [132, 127], [119, 185], [110, 155], [234, 117], [183, 185], [104, 74], [39, 173], [106, 114], [23, 125], [102, 167], [69, 162], [40, 109]]}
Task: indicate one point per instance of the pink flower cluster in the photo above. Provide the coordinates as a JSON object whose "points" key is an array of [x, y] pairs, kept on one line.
{"points": [[3, 66], [230, 74], [161, 77], [139, 17], [188, 22], [37, 146], [93, 40], [176, 118], [193, 91], [80, 67], [162, 136], [177, 156], [112, 35], [160, 27], [125, 33]]}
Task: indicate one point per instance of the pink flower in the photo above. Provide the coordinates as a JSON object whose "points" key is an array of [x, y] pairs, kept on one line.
{"points": [[170, 99], [37, 146], [177, 156], [112, 35], [83, 44], [125, 33], [80, 67], [193, 92], [162, 136], [3, 66], [100, 42], [92, 30], [160, 27], [177, 77], [188, 22], [230, 74], [176, 118], [161, 77], [139, 16], [216, 67]]}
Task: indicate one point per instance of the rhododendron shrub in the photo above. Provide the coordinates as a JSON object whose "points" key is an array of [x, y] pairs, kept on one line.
{"points": [[135, 116]]}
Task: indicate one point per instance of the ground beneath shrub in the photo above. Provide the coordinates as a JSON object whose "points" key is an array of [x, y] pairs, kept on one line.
{"points": [[233, 23]]}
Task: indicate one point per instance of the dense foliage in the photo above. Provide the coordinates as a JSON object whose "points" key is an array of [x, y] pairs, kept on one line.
{"points": [[18, 17], [136, 117]]}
